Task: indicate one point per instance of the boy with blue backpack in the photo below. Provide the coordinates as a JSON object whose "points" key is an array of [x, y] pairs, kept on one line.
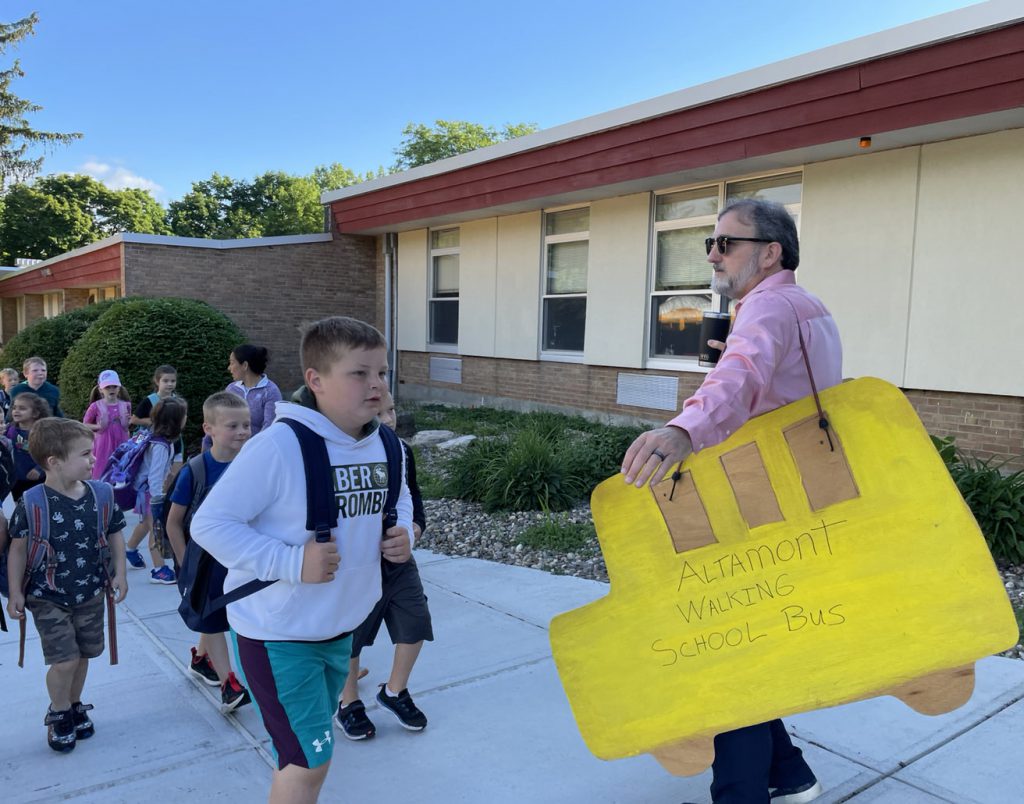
{"points": [[65, 558], [319, 580], [226, 420]]}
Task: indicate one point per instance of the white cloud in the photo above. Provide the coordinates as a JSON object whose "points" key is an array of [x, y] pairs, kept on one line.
{"points": [[117, 177]]}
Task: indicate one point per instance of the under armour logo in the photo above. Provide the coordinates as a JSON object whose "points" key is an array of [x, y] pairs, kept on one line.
{"points": [[319, 744]]}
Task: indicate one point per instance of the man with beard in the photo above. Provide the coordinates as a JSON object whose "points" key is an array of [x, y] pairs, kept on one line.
{"points": [[754, 253]]}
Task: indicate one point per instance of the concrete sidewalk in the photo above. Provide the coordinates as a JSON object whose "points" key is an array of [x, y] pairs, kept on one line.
{"points": [[500, 726]]}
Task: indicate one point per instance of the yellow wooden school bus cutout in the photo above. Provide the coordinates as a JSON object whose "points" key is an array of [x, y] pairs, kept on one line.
{"points": [[778, 575]]}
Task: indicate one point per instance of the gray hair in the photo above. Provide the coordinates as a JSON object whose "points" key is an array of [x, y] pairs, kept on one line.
{"points": [[772, 222]]}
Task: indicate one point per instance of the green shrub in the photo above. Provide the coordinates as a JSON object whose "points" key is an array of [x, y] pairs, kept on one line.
{"points": [[433, 485], [997, 502], [520, 471], [52, 338], [137, 335], [564, 537], [995, 497]]}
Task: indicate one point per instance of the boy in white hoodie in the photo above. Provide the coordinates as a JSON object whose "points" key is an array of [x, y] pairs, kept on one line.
{"points": [[292, 639]]}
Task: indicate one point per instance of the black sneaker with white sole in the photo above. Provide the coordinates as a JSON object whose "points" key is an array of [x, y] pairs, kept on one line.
{"points": [[403, 708], [353, 722], [202, 669], [800, 794], [84, 728], [233, 694]]}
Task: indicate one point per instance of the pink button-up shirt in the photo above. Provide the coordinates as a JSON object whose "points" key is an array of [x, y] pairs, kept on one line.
{"points": [[762, 368]]}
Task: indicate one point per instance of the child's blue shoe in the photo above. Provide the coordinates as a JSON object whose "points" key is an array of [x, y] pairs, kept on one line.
{"points": [[162, 575], [135, 559]]}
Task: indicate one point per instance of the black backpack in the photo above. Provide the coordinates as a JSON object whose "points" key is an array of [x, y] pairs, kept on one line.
{"points": [[201, 579]]}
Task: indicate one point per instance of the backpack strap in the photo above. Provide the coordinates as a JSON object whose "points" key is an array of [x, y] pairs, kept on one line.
{"points": [[321, 510], [197, 468], [395, 455], [37, 514], [321, 515], [104, 497]]}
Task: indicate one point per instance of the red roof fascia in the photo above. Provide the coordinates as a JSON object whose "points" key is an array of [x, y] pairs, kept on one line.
{"points": [[959, 78], [98, 267]]}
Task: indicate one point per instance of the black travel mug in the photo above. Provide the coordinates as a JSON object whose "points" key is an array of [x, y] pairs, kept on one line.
{"points": [[713, 327]]}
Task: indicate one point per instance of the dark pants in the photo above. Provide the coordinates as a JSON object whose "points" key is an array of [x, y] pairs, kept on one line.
{"points": [[750, 760]]}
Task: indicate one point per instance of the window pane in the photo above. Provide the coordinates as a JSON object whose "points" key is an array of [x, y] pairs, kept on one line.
{"points": [[782, 189], [676, 324], [682, 259], [444, 321], [446, 275], [687, 204], [571, 220], [564, 324], [567, 267], [445, 238]]}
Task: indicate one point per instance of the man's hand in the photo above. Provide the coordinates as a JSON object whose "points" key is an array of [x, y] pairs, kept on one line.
{"points": [[654, 454], [320, 561], [120, 586], [16, 604], [395, 545]]}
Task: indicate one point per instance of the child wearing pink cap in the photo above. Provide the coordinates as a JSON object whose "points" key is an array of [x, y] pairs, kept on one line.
{"points": [[107, 417]]}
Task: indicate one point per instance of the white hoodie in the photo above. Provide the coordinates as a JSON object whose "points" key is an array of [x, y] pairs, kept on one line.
{"points": [[254, 523]]}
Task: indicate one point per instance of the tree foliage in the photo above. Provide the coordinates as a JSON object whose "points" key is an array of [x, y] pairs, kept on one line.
{"points": [[52, 338], [135, 336], [62, 212], [16, 134], [422, 144]]}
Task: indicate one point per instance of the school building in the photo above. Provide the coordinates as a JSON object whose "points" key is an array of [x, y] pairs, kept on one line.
{"points": [[566, 269]]}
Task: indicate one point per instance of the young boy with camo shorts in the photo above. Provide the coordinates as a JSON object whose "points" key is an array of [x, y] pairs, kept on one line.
{"points": [[67, 607]]}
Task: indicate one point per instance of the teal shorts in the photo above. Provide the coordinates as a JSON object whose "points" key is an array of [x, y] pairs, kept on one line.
{"points": [[296, 687]]}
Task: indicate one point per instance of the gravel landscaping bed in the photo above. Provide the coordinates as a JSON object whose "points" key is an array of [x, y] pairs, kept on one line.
{"points": [[460, 528]]}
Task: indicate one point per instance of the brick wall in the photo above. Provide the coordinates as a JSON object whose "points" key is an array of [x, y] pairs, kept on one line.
{"points": [[33, 308], [75, 299], [985, 426], [10, 318], [569, 387], [268, 291]]}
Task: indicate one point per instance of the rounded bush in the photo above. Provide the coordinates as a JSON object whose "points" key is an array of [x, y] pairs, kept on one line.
{"points": [[137, 335], [52, 338]]}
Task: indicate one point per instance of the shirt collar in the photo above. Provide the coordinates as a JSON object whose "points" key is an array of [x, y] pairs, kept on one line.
{"points": [[783, 277]]}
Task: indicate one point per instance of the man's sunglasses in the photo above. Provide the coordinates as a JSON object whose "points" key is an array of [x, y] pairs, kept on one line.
{"points": [[723, 241]]}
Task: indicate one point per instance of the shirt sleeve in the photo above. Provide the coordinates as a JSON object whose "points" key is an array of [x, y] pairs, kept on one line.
{"points": [[18, 528], [91, 414], [223, 523], [159, 465], [419, 514], [730, 393], [144, 409], [270, 401]]}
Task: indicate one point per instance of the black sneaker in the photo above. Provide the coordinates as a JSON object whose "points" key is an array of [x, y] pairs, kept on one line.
{"points": [[201, 668], [84, 729], [60, 733], [353, 722], [800, 794], [402, 707], [233, 694]]}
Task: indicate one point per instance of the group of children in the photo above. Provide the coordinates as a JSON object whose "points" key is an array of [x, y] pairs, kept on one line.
{"points": [[297, 640]]}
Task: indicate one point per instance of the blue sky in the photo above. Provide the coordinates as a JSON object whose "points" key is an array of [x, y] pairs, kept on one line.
{"points": [[167, 93]]}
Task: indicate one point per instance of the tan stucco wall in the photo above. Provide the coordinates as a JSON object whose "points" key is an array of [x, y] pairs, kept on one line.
{"points": [[895, 244], [966, 324], [411, 286], [856, 251], [517, 316], [478, 259], [617, 281]]}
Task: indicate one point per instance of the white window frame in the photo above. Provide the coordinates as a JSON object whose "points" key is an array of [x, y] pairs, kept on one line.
{"points": [[52, 304], [689, 362], [432, 252], [559, 355]]}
